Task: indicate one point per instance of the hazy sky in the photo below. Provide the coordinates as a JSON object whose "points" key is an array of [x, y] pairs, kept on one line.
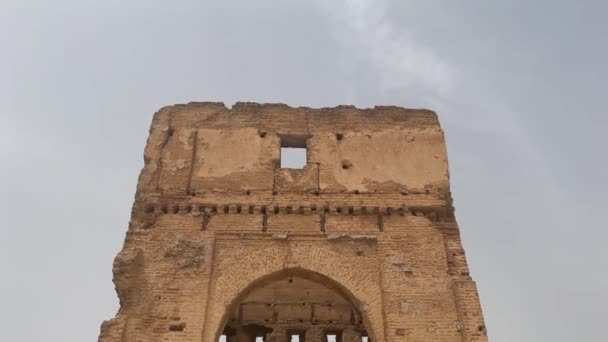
{"points": [[519, 87]]}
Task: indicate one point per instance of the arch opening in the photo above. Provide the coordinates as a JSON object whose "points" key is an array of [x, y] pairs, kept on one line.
{"points": [[294, 305]]}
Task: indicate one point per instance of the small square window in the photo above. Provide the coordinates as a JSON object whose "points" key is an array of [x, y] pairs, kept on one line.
{"points": [[293, 158], [293, 151]]}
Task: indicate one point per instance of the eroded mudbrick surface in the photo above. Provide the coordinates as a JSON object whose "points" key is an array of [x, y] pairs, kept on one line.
{"points": [[361, 244]]}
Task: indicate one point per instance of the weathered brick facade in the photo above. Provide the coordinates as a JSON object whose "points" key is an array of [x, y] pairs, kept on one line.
{"points": [[361, 243]]}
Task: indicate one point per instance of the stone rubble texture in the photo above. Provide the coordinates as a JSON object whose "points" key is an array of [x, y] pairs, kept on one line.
{"points": [[360, 242]]}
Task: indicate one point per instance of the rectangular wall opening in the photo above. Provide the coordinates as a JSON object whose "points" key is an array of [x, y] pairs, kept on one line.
{"points": [[332, 335], [296, 336], [294, 151]]}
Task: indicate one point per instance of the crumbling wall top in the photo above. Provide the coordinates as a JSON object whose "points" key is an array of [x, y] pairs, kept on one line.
{"points": [[205, 147]]}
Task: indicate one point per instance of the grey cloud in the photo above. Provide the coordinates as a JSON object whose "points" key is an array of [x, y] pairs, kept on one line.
{"points": [[519, 87]]}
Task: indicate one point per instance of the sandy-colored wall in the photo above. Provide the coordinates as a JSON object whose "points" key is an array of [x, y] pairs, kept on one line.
{"points": [[214, 214], [386, 149]]}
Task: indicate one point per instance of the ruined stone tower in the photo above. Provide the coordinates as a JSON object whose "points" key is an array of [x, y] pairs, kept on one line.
{"points": [[360, 244]]}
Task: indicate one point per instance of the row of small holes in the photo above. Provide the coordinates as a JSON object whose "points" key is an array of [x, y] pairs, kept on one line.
{"points": [[288, 210], [339, 136], [317, 192]]}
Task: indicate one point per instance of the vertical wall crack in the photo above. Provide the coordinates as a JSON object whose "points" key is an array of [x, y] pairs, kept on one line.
{"points": [[189, 190]]}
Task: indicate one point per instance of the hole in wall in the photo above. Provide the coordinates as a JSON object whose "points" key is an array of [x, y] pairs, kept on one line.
{"points": [[293, 158], [262, 133], [293, 151], [331, 337], [177, 327], [346, 165], [339, 136], [297, 335]]}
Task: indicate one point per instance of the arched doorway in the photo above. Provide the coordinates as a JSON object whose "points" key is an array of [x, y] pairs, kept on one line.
{"points": [[294, 305]]}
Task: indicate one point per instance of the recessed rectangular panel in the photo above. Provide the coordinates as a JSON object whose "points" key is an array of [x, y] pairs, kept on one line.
{"points": [[255, 312], [235, 223], [352, 223], [233, 160], [293, 312], [332, 313]]}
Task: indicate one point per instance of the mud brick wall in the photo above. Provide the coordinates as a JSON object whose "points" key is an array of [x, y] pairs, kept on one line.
{"points": [[218, 228]]}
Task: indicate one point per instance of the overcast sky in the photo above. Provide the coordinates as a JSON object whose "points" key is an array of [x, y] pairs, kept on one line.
{"points": [[519, 87]]}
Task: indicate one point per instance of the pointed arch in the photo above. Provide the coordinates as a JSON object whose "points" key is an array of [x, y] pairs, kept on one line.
{"points": [[234, 279]]}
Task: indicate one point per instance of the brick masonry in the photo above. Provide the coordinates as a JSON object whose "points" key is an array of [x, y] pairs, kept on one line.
{"points": [[360, 242]]}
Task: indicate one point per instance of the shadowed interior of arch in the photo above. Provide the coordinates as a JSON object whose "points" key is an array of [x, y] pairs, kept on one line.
{"points": [[294, 306]]}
